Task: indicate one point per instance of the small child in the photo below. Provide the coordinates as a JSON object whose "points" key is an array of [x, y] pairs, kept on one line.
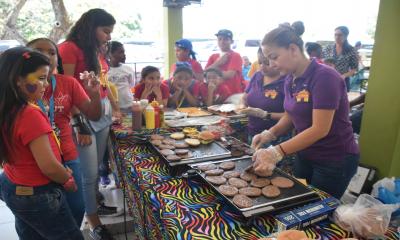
{"points": [[150, 86], [314, 50], [213, 91], [121, 75], [184, 89], [246, 68]]}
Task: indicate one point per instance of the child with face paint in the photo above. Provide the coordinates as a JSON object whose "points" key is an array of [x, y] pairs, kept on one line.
{"points": [[83, 51], [34, 177], [184, 89], [62, 93]]}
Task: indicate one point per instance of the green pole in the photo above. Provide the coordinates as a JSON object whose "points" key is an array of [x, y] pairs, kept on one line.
{"points": [[380, 129], [173, 29]]}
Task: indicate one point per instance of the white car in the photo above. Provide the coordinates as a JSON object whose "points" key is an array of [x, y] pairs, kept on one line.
{"points": [[6, 44], [365, 53]]}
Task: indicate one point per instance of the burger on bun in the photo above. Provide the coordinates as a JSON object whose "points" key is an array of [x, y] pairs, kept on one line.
{"points": [[206, 137]]}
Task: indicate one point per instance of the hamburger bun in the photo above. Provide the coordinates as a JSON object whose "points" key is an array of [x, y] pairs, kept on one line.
{"points": [[192, 142], [206, 137], [177, 136]]}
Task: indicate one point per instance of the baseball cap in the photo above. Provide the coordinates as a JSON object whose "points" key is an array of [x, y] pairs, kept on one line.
{"points": [[225, 33], [184, 43]]}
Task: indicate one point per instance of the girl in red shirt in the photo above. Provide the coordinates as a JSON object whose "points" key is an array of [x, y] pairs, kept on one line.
{"points": [[151, 87], [60, 96], [33, 179], [83, 51]]}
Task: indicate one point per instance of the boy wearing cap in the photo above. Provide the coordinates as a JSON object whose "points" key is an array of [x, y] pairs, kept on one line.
{"points": [[184, 53], [228, 61]]}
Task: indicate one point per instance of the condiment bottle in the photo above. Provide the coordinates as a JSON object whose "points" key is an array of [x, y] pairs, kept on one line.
{"points": [[149, 117], [136, 116]]}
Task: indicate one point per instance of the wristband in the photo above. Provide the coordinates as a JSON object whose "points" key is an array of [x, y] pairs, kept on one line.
{"points": [[269, 134], [280, 147], [70, 183]]}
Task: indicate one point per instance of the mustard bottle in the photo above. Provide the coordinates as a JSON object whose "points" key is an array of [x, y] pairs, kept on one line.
{"points": [[149, 117]]}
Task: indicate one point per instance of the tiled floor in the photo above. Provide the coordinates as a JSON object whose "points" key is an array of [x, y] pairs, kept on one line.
{"points": [[113, 197]]}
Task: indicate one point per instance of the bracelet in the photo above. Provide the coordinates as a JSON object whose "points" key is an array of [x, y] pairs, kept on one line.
{"points": [[270, 134], [69, 183], [280, 147]]}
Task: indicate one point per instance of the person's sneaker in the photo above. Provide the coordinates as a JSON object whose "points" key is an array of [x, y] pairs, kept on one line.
{"points": [[100, 233], [106, 211], [105, 180]]}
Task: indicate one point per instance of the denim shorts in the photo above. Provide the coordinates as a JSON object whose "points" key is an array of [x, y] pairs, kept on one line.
{"points": [[41, 214]]}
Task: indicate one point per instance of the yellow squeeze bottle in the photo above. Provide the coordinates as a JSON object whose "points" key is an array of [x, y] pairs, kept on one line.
{"points": [[150, 117]]}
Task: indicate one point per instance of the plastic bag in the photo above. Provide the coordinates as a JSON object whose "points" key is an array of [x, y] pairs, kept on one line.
{"points": [[367, 218], [388, 183]]}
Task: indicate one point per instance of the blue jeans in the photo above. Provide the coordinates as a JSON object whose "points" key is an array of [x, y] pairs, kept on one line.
{"points": [[90, 157], [75, 199], [332, 177], [43, 215]]}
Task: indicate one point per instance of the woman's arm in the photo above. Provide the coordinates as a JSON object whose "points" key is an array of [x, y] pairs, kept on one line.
{"points": [[46, 160], [283, 126], [321, 125]]}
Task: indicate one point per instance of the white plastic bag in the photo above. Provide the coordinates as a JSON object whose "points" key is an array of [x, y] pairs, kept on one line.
{"points": [[367, 218], [387, 183]]}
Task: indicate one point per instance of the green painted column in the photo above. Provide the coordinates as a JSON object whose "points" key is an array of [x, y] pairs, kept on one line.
{"points": [[173, 29], [380, 129]]}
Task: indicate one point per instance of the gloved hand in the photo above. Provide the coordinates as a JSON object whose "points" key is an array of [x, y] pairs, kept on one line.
{"points": [[254, 112], [266, 159], [263, 138]]}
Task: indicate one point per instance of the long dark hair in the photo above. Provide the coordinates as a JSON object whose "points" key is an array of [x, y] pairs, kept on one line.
{"points": [[284, 35], [83, 34], [346, 45], [60, 68], [14, 63]]}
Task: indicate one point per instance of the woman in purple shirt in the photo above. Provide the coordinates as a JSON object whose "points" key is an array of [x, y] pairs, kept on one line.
{"points": [[316, 105], [264, 97]]}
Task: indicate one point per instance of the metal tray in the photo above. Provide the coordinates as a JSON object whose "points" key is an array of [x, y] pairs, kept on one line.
{"points": [[290, 197], [212, 151]]}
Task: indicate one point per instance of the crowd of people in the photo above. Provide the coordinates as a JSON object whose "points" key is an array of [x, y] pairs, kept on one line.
{"points": [[61, 101]]}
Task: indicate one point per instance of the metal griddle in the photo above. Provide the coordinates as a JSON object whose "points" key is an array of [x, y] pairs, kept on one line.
{"points": [[201, 153], [290, 197]]}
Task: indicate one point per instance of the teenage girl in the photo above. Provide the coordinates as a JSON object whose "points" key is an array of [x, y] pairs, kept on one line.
{"points": [[34, 179], [60, 96], [83, 51]]}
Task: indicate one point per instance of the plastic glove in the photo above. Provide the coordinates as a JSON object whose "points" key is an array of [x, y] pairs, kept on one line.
{"points": [[255, 112], [266, 159], [263, 138]]}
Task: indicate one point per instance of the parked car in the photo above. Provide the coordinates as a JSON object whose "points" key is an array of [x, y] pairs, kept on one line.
{"points": [[365, 53], [6, 44]]}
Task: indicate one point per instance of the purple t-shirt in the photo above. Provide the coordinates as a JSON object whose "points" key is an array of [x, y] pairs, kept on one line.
{"points": [[321, 87], [269, 98]]}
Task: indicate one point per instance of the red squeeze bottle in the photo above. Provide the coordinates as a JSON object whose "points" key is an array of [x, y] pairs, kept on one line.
{"points": [[156, 106]]}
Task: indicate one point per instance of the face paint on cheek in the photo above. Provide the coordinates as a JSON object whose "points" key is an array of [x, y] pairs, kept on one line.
{"points": [[31, 88], [32, 78]]}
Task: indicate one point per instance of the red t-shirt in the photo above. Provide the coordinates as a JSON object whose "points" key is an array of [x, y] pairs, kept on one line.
{"points": [[196, 67], [234, 63], [22, 168], [71, 54], [68, 93], [220, 94], [140, 88]]}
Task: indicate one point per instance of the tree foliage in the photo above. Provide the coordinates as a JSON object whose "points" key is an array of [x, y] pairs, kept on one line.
{"points": [[37, 18]]}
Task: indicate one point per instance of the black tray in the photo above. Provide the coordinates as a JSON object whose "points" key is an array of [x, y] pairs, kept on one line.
{"points": [[290, 197], [204, 152]]}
